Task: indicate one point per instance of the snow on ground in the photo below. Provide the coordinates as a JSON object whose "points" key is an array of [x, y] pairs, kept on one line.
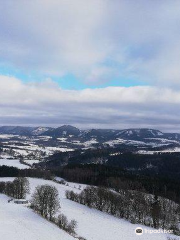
{"points": [[163, 140], [43, 137], [18, 222], [122, 141], [21, 151], [62, 139], [114, 142], [115, 154], [7, 136], [5, 155], [26, 150], [176, 149], [90, 142], [31, 162], [92, 224], [12, 163], [61, 149]]}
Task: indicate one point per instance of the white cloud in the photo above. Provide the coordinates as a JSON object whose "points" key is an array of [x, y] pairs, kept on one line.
{"points": [[94, 40], [112, 107], [52, 36]]}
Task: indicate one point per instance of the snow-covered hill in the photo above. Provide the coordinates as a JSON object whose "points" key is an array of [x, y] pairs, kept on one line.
{"points": [[45, 140], [92, 224], [18, 222]]}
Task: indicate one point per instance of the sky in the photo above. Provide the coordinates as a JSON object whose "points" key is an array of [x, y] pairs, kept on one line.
{"points": [[90, 63]]}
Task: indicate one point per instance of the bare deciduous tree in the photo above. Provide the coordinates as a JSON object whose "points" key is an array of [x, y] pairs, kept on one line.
{"points": [[18, 188], [21, 187], [45, 200], [63, 223]]}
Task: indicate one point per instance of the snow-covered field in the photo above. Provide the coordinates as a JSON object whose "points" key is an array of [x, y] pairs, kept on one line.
{"points": [[7, 136], [175, 150], [13, 163], [92, 224], [31, 162], [17, 222], [25, 150]]}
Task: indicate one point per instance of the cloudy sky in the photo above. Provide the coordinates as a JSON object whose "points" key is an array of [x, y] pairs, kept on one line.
{"points": [[90, 63]]}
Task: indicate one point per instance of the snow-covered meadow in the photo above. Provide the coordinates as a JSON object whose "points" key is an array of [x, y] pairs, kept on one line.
{"points": [[18, 222], [13, 163], [92, 224]]}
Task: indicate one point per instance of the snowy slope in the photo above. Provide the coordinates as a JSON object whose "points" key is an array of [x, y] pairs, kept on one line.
{"points": [[20, 223], [13, 163], [92, 224]]}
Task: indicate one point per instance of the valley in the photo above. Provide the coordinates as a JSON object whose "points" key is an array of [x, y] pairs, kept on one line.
{"points": [[143, 161]]}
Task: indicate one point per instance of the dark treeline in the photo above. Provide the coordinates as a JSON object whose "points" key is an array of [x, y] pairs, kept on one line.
{"points": [[161, 163], [59, 159], [152, 173], [134, 206], [6, 171], [90, 156], [117, 178]]}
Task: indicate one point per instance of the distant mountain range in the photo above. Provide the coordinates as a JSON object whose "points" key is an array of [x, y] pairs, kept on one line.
{"points": [[101, 135]]}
